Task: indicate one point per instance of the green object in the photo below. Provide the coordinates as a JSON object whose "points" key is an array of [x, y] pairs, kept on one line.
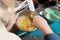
{"points": [[52, 14]]}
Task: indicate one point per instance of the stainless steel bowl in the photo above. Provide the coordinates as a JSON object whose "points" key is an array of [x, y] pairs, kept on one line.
{"points": [[27, 13]]}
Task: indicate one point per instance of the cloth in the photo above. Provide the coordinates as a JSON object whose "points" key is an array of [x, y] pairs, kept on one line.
{"points": [[52, 37], [5, 35]]}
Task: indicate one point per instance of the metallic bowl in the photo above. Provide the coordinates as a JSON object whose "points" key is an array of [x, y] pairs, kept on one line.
{"points": [[27, 13]]}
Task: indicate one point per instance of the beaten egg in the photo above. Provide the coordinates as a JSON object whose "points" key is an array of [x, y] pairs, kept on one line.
{"points": [[25, 23]]}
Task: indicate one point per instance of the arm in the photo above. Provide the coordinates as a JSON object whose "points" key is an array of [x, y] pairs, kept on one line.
{"points": [[11, 22], [42, 24]]}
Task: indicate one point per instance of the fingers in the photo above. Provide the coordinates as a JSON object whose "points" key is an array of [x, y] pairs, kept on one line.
{"points": [[36, 20], [39, 21], [38, 17]]}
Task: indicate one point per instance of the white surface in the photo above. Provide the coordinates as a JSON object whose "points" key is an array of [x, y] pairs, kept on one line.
{"points": [[5, 35], [24, 4], [8, 36], [20, 6], [31, 5]]}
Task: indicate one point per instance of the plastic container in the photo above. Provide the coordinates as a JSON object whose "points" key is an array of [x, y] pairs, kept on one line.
{"points": [[51, 14]]}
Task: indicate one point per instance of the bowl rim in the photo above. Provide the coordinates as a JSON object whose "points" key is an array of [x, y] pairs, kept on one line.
{"points": [[21, 15]]}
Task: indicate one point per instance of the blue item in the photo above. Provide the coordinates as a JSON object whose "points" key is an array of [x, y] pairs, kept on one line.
{"points": [[51, 37]]}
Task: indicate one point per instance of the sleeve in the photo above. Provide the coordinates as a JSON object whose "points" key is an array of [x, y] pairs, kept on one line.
{"points": [[51, 37]]}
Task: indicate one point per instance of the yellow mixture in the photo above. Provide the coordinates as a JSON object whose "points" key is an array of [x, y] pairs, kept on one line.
{"points": [[25, 23]]}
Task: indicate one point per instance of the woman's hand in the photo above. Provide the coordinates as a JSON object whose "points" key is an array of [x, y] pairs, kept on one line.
{"points": [[42, 24], [39, 22], [11, 22]]}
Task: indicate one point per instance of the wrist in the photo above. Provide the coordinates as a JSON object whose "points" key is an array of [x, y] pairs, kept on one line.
{"points": [[9, 26], [46, 30]]}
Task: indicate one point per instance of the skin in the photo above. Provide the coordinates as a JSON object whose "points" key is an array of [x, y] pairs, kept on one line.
{"points": [[11, 22], [9, 3], [42, 24]]}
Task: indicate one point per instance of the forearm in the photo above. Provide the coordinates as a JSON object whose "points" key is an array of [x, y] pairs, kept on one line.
{"points": [[49, 34], [9, 26], [11, 22], [46, 29], [42, 24]]}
